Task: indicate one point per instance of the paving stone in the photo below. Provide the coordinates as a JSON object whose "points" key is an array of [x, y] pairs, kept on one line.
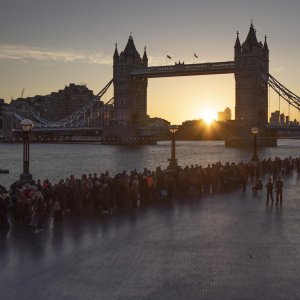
{"points": [[224, 246]]}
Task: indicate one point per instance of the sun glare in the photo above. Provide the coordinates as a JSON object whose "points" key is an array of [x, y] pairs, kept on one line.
{"points": [[208, 116]]}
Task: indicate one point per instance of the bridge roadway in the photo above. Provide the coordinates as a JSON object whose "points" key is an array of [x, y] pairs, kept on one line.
{"points": [[228, 246], [283, 127], [182, 69], [64, 131]]}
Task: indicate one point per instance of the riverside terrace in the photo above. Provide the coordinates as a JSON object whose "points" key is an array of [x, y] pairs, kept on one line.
{"points": [[224, 246]]}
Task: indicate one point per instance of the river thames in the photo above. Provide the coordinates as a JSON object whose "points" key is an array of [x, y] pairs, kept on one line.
{"points": [[57, 161]]}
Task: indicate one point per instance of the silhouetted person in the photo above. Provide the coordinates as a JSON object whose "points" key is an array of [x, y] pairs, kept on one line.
{"points": [[258, 186], [57, 210], [39, 206], [4, 202], [278, 190], [257, 172], [269, 187], [243, 178]]}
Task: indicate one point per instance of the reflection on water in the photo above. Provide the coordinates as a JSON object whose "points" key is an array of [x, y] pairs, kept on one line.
{"points": [[56, 161]]}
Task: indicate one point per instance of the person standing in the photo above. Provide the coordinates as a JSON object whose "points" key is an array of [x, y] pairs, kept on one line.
{"points": [[243, 177], [57, 209], [4, 203], [39, 207], [269, 187], [278, 190]]}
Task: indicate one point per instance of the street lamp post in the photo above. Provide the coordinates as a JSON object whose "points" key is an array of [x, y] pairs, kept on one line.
{"points": [[254, 131], [26, 126], [173, 160]]}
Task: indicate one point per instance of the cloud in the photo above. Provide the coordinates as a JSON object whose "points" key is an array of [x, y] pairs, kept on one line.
{"points": [[26, 53]]}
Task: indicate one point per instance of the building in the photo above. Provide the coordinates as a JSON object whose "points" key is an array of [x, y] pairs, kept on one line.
{"points": [[65, 102], [2, 104], [281, 118], [156, 127], [224, 115], [52, 107], [221, 116], [278, 118], [158, 122], [274, 119], [287, 120], [251, 60]]}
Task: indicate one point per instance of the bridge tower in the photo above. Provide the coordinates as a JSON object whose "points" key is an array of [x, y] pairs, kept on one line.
{"points": [[251, 59], [130, 94]]}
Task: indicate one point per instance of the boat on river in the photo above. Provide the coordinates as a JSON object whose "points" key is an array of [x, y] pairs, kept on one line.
{"points": [[2, 171]]}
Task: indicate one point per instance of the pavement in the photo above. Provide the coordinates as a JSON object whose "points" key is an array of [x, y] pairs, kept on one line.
{"points": [[225, 246]]}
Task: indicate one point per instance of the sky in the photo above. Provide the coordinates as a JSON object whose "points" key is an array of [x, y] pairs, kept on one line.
{"points": [[45, 45]]}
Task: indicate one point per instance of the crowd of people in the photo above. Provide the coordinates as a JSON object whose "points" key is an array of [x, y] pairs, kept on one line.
{"points": [[104, 193]]}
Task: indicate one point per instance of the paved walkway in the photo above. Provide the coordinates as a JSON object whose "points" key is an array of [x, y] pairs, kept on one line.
{"points": [[228, 246]]}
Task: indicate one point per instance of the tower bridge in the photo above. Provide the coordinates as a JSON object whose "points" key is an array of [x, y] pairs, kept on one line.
{"points": [[252, 79], [131, 73], [126, 113]]}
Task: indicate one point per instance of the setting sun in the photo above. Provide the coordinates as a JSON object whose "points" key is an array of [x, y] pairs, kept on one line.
{"points": [[208, 116]]}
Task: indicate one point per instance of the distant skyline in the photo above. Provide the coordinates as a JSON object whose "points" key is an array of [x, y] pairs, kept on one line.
{"points": [[45, 45]]}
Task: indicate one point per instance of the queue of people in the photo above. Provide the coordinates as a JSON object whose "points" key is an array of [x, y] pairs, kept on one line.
{"points": [[104, 193]]}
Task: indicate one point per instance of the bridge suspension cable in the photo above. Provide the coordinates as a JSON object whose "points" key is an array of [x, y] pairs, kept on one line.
{"points": [[82, 117], [283, 92], [35, 124], [87, 107], [279, 99], [103, 91]]}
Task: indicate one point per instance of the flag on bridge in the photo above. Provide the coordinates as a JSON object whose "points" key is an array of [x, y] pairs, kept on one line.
{"points": [[169, 57], [195, 55]]}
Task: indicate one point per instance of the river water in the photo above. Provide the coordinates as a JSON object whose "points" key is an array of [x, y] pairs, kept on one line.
{"points": [[56, 161]]}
